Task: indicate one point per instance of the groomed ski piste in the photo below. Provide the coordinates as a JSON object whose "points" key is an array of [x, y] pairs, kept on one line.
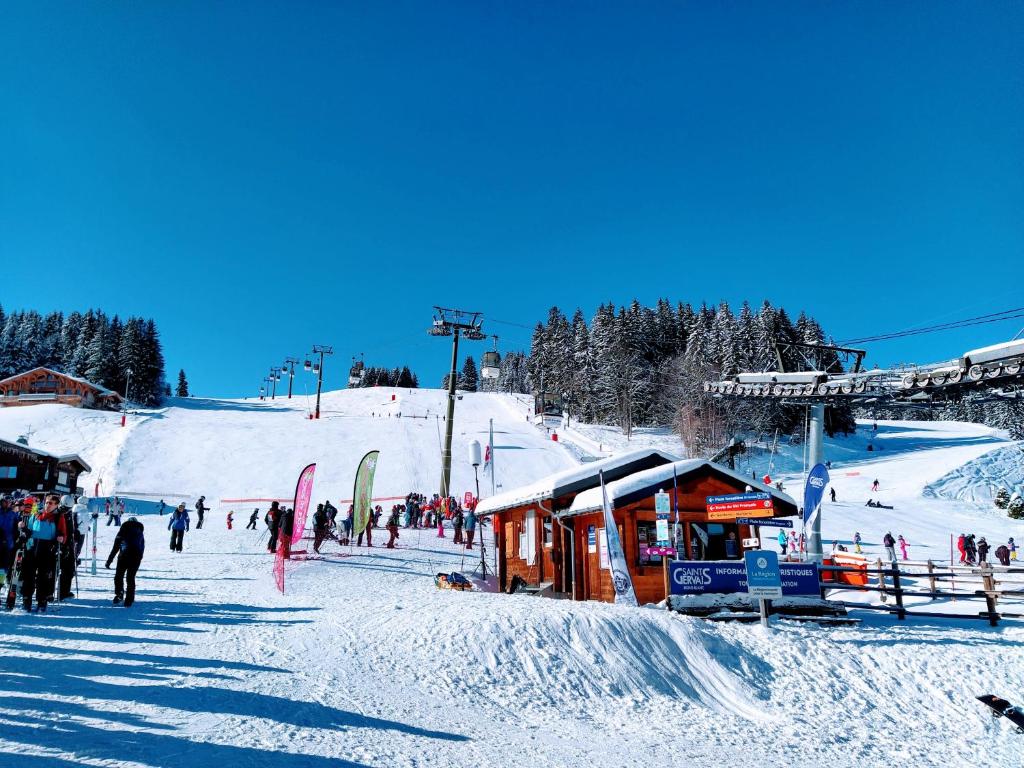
{"points": [[363, 662]]}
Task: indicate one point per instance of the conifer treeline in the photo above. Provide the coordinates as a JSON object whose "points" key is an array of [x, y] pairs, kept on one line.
{"points": [[388, 377], [91, 346], [643, 366]]}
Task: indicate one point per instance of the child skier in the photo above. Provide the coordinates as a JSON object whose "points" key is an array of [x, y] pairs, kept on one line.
{"points": [[856, 543], [903, 546]]}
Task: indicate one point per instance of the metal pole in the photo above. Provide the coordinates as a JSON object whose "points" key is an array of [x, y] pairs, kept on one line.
{"points": [[95, 518], [490, 442], [816, 455], [291, 378], [446, 455], [124, 406], [319, 382]]}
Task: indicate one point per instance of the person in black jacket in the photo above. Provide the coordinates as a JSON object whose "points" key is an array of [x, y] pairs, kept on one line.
{"points": [[252, 519], [273, 521], [129, 546], [982, 550], [200, 511]]}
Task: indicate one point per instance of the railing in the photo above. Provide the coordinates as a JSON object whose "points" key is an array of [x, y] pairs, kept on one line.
{"points": [[983, 582]]}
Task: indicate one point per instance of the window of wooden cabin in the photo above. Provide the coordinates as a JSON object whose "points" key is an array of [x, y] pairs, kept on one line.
{"points": [[547, 532], [646, 536]]}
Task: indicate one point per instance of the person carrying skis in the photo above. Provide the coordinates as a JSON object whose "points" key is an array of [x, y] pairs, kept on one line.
{"points": [[903, 546], [961, 545], [178, 525], [200, 511], [252, 519], [856, 542], [890, 546], [470, 526], [129, 546], [782, 542], [982, 550], [273, 521], [46, 532], [392, 526]]}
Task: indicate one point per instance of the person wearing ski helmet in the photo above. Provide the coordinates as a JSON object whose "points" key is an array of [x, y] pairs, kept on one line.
{"points": [[178, 525], [983, 548]]}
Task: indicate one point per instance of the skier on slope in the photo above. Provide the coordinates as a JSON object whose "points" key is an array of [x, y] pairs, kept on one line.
{"points": [[252, 519], [972, 549], [890, 546], [161, 508], [178, 525], [273, 521], [856, 542], [832, 493], [129, 546], [201, 509], [287, 531], [46, 532], [874, 485], [332, 514], [319, 527], [392, 526], [231, 518], [903, 546], [983, 548], [1012, 546]]}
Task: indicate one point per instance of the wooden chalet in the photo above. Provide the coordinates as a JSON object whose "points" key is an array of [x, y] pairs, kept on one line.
{"points": [[526, 528], [45, 385], [30, 469], [555, 542]]}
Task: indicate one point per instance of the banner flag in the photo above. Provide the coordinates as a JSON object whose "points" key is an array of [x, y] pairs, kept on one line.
{"points": [[303, 493], [814, 491], [620, 571], [362, 494]]}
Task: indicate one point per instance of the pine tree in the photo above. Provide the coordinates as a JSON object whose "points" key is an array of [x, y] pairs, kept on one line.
{"points": [[468, 378], [182, 390]]}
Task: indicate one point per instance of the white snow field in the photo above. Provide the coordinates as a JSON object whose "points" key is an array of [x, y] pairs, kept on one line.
{"points": [[363, 662]]}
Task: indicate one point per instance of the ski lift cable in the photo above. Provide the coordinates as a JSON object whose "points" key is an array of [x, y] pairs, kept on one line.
{"points": [[1006, 314]]}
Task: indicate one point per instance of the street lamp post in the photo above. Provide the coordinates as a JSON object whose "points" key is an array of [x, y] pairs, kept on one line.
{"points": [[320, 349], [124, 405]]}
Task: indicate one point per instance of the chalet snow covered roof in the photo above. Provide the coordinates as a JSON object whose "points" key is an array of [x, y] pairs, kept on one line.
{"points": [[576, 479], [101, 390], [646, 483], [61, 459]]}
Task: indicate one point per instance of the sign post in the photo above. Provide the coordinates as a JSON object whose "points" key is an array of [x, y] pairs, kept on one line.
{"points": [[661, 509], [764, 580]]}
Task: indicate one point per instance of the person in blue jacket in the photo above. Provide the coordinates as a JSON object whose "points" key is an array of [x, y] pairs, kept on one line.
{"points": [[178, 525], [129, 546], [470, 526]]}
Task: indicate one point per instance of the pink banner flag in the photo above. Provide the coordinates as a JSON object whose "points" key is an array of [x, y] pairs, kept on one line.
{"points": [[293, 524]]}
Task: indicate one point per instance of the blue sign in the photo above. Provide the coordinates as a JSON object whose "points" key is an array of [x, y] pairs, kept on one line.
{"points": [[773, 522], [730, 498], [697, 577], [763, 576]]}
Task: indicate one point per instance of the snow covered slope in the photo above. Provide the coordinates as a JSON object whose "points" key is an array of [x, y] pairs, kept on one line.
{"points": [[252, 449], [362, 662]]}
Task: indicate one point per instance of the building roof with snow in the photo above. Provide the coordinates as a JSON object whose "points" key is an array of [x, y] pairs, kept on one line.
{"points": [[576, 480], [46, 385], [645, 483]]}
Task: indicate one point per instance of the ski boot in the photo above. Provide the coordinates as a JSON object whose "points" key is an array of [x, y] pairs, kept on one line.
{"points": [[117, 600]]}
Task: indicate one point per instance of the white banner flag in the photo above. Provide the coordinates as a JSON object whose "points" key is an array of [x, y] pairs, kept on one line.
{"points": [[620, 571]]}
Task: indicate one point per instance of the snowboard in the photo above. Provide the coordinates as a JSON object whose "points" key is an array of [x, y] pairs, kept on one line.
{"points": [[1003, 708]]}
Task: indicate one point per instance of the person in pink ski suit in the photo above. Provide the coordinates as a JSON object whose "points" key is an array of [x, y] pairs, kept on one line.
{"points": [[903, 546]]}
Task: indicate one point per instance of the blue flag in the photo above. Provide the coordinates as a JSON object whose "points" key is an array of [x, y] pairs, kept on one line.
{"points": [[813, 492]]}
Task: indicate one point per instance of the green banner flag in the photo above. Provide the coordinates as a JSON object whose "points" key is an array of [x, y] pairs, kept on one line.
{"points": [[362, 495]]}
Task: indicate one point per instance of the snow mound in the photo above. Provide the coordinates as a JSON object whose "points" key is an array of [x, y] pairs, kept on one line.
{"points": [[978, 480]]}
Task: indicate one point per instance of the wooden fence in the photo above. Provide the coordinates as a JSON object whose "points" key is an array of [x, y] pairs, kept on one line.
{"points": [[993, 585]]}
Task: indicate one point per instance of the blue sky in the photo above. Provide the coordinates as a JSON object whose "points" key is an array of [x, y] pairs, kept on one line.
{"points": [[262, 177]]}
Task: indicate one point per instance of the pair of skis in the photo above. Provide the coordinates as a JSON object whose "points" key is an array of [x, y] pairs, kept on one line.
{"points": [[15, 586]]}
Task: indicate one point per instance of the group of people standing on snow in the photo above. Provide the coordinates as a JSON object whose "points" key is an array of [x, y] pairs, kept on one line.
{"points": [[975, 551]]}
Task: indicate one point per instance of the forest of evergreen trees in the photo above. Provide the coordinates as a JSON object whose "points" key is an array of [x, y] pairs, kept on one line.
{"points": [[388, 377], [92, 346], [643, 366]]}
